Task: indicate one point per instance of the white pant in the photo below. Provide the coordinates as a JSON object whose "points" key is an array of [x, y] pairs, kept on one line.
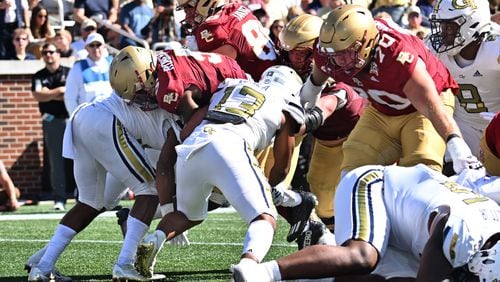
{"points": [[221, 159], [101, 144]]}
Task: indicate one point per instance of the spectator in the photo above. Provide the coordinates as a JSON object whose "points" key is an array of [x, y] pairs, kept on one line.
{"points": [[13, 14], [113, 38], [63, 40], [415, 23], [395, 8], [426, 8], [89, 77], [106, 10], [134, 16], [8, 192], [293, 12], [162, 27], [276, 27], [332, 4], [88, 27], [48, 87], [40, 27], [20, 40]]}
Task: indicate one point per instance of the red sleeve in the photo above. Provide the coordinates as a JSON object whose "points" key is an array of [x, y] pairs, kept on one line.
{"points": [[492, 135]]}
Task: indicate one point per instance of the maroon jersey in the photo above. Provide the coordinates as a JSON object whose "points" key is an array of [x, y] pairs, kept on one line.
{"points": [[492, 135], [342, 121], [178, 69], [235, 25], [383, 79]]}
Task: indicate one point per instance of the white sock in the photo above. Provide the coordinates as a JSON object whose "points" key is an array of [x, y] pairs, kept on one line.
{"points": [[61, 238], [273, 270], [136, 229], [258, 239]]}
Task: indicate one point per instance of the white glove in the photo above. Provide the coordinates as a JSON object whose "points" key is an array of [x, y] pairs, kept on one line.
{"points": [[310, 93], [180, 240], [282, 196], [461, 155]]}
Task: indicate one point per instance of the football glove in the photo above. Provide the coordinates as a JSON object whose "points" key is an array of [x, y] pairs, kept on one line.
{"points": [[310, 93], [180, 240], [461, 155]]}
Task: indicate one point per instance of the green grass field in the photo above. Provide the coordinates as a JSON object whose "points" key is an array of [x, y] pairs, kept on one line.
{"points": [[215, 245]]}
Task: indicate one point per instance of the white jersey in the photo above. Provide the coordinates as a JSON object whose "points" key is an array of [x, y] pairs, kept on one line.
{"points": [[478, 181], [479, 86], [252, 112], [149, 127], [392, 205]]}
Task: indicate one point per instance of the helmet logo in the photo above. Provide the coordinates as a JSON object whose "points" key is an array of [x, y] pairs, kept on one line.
{"points": [[462, 4]]}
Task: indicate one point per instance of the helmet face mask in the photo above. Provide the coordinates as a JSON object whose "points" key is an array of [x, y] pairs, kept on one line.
{"points": [[472, 18], [197, 11], [133, 76]]}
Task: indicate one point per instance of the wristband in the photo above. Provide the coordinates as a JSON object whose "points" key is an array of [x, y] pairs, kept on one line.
{"points": [[166, 209], [451, 136]]}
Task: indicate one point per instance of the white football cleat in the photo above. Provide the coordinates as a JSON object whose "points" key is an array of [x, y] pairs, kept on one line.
{"points": [[129, 273], [148, 251], [36, 275]]}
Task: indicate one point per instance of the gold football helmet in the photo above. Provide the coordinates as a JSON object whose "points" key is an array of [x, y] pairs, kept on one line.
{"points": [[133, 76], [347, 37], [301, 31], [198, 10], [296, 42]]}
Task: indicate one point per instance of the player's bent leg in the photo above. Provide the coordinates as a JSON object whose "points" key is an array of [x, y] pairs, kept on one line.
{"points": [[170, 226], [370, 142]]}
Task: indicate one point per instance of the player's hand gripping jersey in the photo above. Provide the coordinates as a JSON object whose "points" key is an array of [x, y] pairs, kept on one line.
{"points": [[180, 68], [383, 79], [235, 25]]}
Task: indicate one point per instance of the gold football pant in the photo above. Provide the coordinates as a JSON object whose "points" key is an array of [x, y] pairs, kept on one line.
{"points": [[324, 175], [384, 140]]}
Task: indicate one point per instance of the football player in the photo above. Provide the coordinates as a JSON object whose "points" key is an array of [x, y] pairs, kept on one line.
{"points": [[230, 29], [108, 136], [468, 43], [490, 146], [444, 227], [243, 116], [178, 81], [410, 92], [330, 121]]}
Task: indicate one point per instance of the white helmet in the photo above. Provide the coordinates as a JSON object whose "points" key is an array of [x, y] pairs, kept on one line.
{"points": [[287, 82], [486, 264], [471, 16], [283, 77]]}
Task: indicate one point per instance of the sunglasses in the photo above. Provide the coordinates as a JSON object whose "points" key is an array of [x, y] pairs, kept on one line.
{"points": [[95, 45], [21, 38], [90, 28], [42, 16], [49, 52]]}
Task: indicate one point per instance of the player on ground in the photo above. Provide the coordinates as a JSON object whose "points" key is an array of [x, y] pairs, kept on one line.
{"points": [[468, 43], [444, 226], [104, 137], [243, 116], [232, 30], [330, 121], [410, 92]]}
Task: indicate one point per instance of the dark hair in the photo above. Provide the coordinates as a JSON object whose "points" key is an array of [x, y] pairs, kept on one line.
{"points": [[45, 45], [42, 31]]}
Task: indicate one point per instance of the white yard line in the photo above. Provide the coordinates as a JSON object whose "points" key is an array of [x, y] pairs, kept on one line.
{"points": [[6, 217]]}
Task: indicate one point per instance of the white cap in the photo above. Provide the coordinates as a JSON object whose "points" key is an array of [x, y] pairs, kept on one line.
{"points": [[414, 9], [94, 37]]}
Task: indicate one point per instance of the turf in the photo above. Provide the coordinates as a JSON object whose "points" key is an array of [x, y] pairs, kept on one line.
{"points": [[215, 245]]}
